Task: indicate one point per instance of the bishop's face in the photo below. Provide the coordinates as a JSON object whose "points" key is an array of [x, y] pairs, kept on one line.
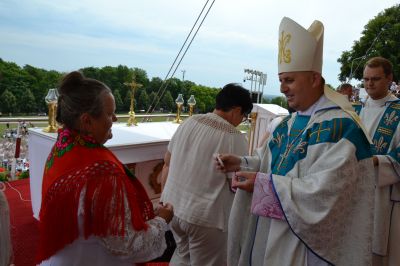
{"points": [[300, 88], [376, 82]]}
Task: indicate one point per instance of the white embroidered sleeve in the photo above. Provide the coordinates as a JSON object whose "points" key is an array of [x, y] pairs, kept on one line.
{"points": [[138, 246]]}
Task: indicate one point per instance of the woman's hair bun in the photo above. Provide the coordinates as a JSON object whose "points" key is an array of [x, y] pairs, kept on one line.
{"points": [[71, 80]]}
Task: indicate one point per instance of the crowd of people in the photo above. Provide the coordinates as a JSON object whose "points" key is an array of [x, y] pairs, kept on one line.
{"points": [[322, 190]]}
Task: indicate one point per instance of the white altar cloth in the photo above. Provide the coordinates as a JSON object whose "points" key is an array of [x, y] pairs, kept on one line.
{"points": [[144, 142]]}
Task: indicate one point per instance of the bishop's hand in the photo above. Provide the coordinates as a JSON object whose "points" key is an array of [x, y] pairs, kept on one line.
{"points": [[244, 180]]}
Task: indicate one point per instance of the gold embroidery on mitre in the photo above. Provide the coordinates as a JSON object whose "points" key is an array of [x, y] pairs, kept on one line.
{"points": [[284, 54]]}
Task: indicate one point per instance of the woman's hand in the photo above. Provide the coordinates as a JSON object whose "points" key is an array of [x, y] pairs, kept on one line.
{"points": [[244, 180], [165, 211]]}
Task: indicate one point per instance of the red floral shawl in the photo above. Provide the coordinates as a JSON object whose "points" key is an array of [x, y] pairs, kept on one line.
{"points": [[77, 161]]}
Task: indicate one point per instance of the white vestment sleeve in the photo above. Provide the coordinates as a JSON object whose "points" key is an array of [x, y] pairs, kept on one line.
{"points": [[388, 171]]}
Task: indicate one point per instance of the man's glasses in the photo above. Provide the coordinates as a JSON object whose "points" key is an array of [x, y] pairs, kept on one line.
{"points": [[245, 117], [373, 79]]}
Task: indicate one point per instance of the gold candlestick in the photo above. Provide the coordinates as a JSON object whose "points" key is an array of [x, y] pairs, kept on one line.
{"points": [[253, 117], [179, 102], [133, 85], [191, 102], [51, 100]]}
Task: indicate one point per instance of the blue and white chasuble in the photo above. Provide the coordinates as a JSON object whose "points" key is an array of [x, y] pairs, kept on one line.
{"points": [[322, 174], [381, 119]]}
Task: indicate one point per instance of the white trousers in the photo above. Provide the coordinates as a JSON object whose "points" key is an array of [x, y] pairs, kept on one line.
{"points": [[198, 245]]}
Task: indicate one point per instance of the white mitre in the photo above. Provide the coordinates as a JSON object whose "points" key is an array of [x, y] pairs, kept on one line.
{"points": [[300, 49]]}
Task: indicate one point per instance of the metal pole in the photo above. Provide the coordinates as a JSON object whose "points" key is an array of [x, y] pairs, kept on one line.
{"points": [[183, 75]]}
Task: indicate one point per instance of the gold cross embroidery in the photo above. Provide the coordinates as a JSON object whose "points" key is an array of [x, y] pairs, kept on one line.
{"points": [[284, 54], [284, 155], [318, 132]]}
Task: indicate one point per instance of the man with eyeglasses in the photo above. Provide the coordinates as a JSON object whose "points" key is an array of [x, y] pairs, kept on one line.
{"points": [[202, 196], [381, 116]]}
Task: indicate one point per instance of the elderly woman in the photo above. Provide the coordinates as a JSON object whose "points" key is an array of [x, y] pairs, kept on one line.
{"points": [[94, 211]]}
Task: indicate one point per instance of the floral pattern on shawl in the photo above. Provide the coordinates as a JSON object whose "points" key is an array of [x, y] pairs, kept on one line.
{"points": [[66, 140]]}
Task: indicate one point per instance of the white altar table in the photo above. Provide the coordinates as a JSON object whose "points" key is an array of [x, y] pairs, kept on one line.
{"points": [[141, 147]]}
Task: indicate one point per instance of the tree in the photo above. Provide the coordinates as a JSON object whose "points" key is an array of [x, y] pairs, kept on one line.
{"points": [[380, 37], [205, 97], [167, 102], [8, 102], [143, 100], [119, 104], [28, 103], [154, 99], [154, 85], [281, 101]]}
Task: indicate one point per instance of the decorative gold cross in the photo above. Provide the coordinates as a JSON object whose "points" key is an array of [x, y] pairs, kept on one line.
{"points": [[318, 131], [133, 86], [284, 155]]}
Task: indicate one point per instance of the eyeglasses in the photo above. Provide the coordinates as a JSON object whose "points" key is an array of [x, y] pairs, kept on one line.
{"points": [[245, 117], [373, 79]]}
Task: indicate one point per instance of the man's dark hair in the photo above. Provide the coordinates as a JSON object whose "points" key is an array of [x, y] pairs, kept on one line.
{"points": [[233, 95]]}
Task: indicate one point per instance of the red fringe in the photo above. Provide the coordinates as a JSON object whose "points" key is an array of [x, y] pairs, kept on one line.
{"points": [[104, 206]]}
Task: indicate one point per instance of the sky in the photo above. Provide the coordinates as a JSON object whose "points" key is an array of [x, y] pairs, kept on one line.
{"points": [[236, 35]]}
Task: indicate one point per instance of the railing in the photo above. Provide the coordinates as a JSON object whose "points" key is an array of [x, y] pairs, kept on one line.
{"points": [[139, 118]]}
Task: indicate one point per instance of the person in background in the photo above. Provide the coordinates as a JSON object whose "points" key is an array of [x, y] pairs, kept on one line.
{"points": [[202, 196], [381, 115], [311, 199], [94, 210], [5, 238], [272, 125], [346, 89]]}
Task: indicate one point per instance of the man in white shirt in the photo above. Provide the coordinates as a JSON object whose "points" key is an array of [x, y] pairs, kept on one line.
{"points": [[381, 115], [201, 195]]}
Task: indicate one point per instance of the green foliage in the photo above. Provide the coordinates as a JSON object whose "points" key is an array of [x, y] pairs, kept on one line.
{"points": [[330, 86], [28, 101], [167, 102], [205, 97], [119, 104], [265, 100], [380, 37], [8, 102], [281, 101], [143, 100], [24, 89], [4, 176], [153, 98], [23, 175]]}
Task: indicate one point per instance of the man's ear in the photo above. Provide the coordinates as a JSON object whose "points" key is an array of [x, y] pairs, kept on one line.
{"points": [[390, 77], [316, 79]]}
